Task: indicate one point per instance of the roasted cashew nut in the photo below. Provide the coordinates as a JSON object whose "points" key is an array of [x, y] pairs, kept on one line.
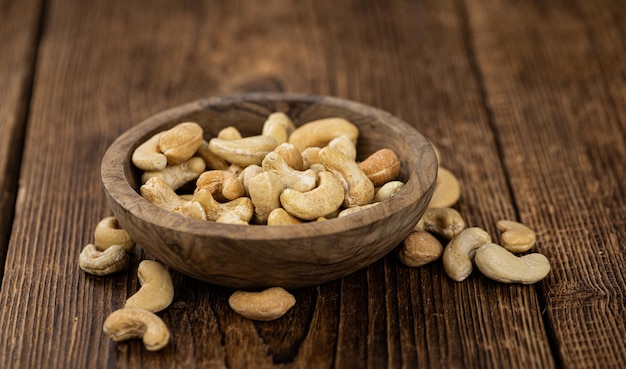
{"points": [[516, 237], [109, 233], [420, 248], [180, 142], [128, 323], [266, 305], [320, 201], [177, 175], [223, 185], [360, 190], [499, 264], [445, 222], [458, 254], [381, 167], [291, 155], [157, 290], [109, 261]]}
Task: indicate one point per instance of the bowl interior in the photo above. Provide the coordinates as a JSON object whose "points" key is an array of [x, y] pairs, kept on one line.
{"points": [[256, 255]]}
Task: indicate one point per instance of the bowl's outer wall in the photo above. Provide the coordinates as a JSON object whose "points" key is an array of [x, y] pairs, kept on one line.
{"points": [[262, 256]]}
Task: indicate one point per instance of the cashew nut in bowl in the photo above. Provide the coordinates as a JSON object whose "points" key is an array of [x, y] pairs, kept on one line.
{"points": [[266, 305], [344, 144], [157, 290], [445, 222], [381, 167], [515, 236], [458, 254], [280, 216], [420, 248], [100, 263], [128, 323], [320, 201], [265, 190], [291, 178], [156, 191], [499, 264], [291, 155], [355, 209], [360, 189], [223, 185], [247, 173], [147, 155], [387, 190], [237, 211], [244, 151], [278, 126], [180, 142], [320, 132], [447, 190], [108, 233], [229, 133], [177, 175], [212, 160]]}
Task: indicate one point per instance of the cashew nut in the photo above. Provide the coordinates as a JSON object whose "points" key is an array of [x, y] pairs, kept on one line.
{"points": [[266, 305], [229, 133], [280, 216], [128, 323], [458, 254], [447, 190], [212, 160], [223, 185], [291, 155], [109, 261], [320, 132], [344, 144], [156, 191], [157, 290], [265, 190], [108, 233], [381, 167], [247, 173], [499, 264], [387, 190], [278, 125], [180, 142], [420, 248], [445, 222], [291, 178], [243, 151], [310, 156], [360, 190], [355, 209], [237, 211], [147, 155], [177, 175], [516, 237], [320, 201]]}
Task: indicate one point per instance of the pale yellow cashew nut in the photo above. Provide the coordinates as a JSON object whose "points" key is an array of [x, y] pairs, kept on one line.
{"points": [[266, 305], [243, 151], [310, 156], [291, 155], [344, 144], [458, 254], [229, 133], [445, 222], [291, 178], [499, 264], [179, 174], [156, 191], [100, 263], [223, 185], [212, 160], [515, 236], [387, 190], [108, 233], [237, 211], [278, 125], [246, 174], [355, 209], [320, 132], [147, 155], [157, 290], [129, 323], [280, 216], [360, 190], [324, 199], [447, 190], [265, 190], [181, 142]]}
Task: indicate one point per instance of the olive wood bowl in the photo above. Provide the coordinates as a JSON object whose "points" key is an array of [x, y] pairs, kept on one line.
{"points": [[257, 256]]}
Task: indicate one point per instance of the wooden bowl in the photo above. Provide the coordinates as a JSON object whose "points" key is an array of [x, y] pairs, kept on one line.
{"points": [[258, 256]]}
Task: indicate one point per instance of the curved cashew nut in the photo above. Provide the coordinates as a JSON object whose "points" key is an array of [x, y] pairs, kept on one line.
{"points": [[445, 222], [247, 173], [156, 191], [223, 185], [237, 211], [499, 264], [147, 155], [266, 305], [243, 151], [381, 167], [265, 190], [109, 261], [420, 248], [320, 201], [108, 233], [298, 180], [280, 216], [291, 155], [447, 190], [355, 209], [157, 290], [387, 190], [360, 189], [127, 323], [458, 254], [212, 161], [320, 132], [278, 125], [180, 142], [344, 144], [311, 156], [516, 237], [229, 133], [177, 175]]}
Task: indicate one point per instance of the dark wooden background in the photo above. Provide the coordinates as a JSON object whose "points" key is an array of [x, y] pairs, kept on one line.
{"points": [[525, 99]]}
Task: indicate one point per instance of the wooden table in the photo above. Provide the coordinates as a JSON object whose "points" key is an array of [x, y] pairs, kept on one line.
{"points": [[525, 100]]}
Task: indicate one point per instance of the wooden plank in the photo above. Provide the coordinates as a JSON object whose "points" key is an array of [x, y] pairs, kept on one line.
{"points": [[19, 31], [108, 64], [555, 89]]}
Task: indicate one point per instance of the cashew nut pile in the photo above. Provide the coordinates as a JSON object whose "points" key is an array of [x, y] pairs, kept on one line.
{"points": [[469, 246], [285, 175]]}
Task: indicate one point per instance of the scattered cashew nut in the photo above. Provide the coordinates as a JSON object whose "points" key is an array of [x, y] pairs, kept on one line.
{"points": [[447, 190], [420, 248], [445, 222], [109, 233], [266, 305], [157, 290], [128, 323], [100, 263], [499, 264], [516, 237], [458, 254]]}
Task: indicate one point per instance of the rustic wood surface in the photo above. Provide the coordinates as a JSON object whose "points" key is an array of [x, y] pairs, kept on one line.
{"points": [[525, 100]]}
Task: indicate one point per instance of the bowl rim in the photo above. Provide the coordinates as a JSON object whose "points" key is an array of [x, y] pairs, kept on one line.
{"points": [[117, 185]]}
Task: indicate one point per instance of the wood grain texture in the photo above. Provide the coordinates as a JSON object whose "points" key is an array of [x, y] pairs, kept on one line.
{"points": [[525, 100]]}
